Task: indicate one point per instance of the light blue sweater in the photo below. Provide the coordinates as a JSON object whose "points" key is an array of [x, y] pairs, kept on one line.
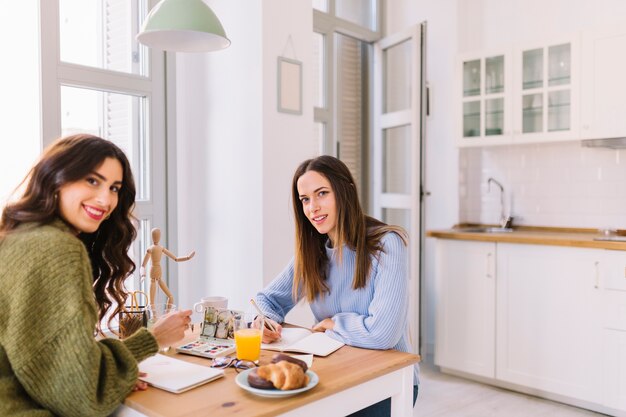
{"points": [[373, 317]]}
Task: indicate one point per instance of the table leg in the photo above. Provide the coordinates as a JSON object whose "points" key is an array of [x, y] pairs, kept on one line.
{"points": [[402, 402]]}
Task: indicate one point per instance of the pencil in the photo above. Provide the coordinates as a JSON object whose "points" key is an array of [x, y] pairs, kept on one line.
{"points": [[267, 323]]}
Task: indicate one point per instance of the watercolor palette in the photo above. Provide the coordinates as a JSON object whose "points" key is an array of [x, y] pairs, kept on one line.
{"points": [[208, 347]]}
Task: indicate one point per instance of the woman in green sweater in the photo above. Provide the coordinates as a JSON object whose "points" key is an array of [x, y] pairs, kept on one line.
{"points": [[63, 261]]}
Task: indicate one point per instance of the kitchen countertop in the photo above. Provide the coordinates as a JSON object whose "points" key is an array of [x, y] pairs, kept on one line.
{"points": [[554, 236]]}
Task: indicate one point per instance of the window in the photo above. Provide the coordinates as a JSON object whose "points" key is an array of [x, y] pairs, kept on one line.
{"points": [[97, 79], [343, 33]]}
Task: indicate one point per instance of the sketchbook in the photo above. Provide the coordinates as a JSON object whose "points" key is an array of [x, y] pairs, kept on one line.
{"points": [[304, 341], [175, 375]]}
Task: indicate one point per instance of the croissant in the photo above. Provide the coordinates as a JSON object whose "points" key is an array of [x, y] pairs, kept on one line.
{"points": [[283, 375]]}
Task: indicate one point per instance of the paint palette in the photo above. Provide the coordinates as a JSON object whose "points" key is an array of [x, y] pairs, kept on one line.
{"points": [[208, 347]]}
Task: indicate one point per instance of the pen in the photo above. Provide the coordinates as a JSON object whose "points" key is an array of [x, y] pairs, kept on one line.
{"points": [[267, 323]]}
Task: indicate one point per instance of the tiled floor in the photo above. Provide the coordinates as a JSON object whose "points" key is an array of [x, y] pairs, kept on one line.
{"points": [[442, 395]]}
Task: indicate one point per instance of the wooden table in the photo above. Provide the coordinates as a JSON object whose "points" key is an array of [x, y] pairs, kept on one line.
{"points": [[349, 380]]}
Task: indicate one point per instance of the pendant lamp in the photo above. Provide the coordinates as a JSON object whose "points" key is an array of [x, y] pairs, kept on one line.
{"points": [[183, 26]]}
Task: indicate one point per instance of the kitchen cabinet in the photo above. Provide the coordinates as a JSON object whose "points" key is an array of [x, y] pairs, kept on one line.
{"points": [[528, 95], [485, 98], [603, 86], [613, 324], [614, 365], [548, 336], [465, 337], [546, 88], [542, 319]]}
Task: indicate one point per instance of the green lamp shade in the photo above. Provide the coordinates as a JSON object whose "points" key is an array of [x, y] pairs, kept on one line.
{"points": [[183, 26]]}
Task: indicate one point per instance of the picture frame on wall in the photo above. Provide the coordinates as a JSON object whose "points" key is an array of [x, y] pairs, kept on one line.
{"points": [[289, 85]]}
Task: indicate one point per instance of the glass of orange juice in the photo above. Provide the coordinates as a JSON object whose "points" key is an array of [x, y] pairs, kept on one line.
{"points": [[248, 339]]}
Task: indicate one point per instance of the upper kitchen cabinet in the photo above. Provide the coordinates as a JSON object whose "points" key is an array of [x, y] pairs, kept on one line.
{"points": [[485, 91], [603, 86], [546, 80], [529, 95]]}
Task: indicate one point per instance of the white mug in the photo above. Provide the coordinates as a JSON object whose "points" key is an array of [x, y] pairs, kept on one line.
{"points": [[217, 302]]}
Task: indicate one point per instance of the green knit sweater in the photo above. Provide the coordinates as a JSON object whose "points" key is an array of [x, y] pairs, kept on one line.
{"points": [[50, 362]]}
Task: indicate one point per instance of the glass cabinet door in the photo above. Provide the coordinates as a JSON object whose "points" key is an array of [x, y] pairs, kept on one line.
{"points": [[494, 116], [532, 102], [532, 113], [559, 65], [532, 69], [471, 119], [484, 96], [559, 75], [494, 75], [546, 89], [471, 78], [471, 106]]}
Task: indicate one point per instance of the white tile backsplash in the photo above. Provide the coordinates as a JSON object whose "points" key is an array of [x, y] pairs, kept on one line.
{"points": [[560, 185]]}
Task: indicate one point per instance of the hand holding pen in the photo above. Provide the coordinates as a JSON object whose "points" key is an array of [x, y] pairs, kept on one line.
{"points": [[272, 330]]}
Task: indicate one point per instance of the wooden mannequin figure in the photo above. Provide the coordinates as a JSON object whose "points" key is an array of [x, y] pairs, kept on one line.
{"points": [[154, 254]]}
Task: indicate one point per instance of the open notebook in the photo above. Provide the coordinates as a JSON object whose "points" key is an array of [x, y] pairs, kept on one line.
{"points": [[174, 375], [304, 341]]}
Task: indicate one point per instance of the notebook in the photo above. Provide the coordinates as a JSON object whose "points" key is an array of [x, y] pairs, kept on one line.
{"points": [[216, 337], [304, 341], [175, 375]]}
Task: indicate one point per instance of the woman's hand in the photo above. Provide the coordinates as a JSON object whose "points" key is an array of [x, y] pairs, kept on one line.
{"points": [[170, 328], [141, 385], [268, 335], [322, 326]]}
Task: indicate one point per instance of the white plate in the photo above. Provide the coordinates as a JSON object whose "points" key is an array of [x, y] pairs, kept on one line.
{"points": [[242, 381]]}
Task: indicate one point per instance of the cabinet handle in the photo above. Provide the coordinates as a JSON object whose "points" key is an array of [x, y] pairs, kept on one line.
{"points": [[597, 265], [488, 274]]}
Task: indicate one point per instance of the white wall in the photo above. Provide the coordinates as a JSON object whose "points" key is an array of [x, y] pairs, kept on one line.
{"points": [[219, 141], [287, 139], [236, 153]]}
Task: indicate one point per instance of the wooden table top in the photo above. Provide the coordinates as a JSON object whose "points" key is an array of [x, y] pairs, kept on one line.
{"points": [[341, 370]]}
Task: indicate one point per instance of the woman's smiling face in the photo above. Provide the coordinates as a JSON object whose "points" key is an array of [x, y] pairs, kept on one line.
{"points": [[318, 202], [86, 203]]}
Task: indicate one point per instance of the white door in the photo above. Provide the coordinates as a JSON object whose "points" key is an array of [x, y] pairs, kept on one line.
{"points": [[396, 146]]}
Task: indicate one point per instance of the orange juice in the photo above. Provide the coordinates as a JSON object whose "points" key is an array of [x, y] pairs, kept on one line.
{"points": [[248, 344]]}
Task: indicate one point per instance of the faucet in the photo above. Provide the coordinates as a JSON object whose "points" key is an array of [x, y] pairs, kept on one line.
{"points": [[505, 221]]}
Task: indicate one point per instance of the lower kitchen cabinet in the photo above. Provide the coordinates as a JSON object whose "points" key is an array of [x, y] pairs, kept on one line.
{"points": [[614, 365], [613, 323], [547, 320], [548, 337], [465, 330]]}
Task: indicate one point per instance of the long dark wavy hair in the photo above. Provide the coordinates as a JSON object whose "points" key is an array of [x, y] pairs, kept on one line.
{"points": [[68, 160], [358, 231]]}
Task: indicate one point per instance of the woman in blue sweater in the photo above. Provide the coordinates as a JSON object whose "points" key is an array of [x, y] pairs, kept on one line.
{"points": [[351, 268]]}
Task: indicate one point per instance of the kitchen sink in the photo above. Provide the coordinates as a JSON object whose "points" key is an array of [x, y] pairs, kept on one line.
{"points": [[612, 238], [485, 230]]}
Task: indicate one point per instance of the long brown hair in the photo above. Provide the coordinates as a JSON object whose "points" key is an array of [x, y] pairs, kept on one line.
{"points": [[69, 160], [358, 231]]}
